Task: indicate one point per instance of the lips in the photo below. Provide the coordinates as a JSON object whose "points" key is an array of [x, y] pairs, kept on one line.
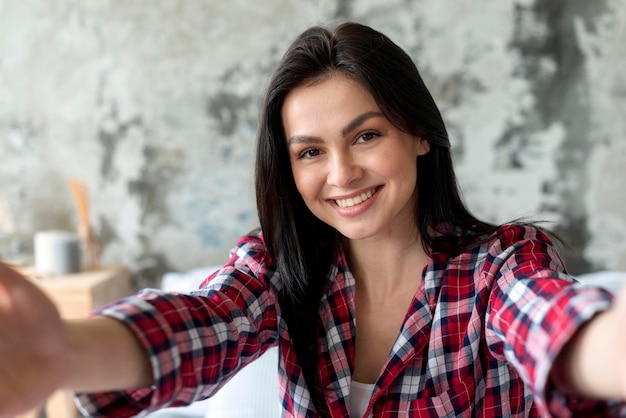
{"points": [[353, 201]]}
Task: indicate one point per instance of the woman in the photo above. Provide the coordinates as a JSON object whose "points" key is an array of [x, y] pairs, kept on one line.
{"points": [[384, 294]]}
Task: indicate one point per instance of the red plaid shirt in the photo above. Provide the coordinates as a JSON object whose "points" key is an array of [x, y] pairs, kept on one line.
{"points": [[479, 338]]}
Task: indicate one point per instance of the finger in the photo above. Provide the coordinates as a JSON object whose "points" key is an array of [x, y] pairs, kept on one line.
{"points": [[10, 280], [9, 276], [7, 281]]}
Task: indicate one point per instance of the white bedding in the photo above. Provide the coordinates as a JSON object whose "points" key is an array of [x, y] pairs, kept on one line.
{"points": [[610, 280], [253, 392]]}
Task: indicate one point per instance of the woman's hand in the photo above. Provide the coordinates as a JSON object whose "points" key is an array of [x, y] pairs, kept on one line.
{"points": [[33, 345], [620, 332], [593, 363]]}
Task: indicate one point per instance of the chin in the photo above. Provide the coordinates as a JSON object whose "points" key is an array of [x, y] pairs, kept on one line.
{"points": [[354, 235]]}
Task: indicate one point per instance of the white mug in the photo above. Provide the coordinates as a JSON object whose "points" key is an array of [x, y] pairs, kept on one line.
{"points": [[57, 253]]}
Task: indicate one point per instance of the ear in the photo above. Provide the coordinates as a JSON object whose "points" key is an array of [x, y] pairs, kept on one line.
{"points": [[422, 146]]}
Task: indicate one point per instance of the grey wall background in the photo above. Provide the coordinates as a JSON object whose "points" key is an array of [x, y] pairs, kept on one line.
{"points": [[153, 104]]}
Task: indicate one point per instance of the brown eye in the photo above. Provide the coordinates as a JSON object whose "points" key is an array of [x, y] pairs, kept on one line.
{"points": [[309, 153], [367, 136]]}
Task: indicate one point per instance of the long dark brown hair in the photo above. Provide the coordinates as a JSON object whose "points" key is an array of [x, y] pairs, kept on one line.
{"points": [[301, 247]]}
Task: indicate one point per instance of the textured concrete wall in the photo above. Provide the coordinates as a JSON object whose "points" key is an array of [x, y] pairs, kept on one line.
{"points": [[154, 105]]}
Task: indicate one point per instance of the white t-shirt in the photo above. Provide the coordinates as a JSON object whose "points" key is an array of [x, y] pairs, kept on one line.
{"points": [[360, 395]]}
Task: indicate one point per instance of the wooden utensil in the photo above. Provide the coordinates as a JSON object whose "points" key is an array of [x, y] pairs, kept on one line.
{"points": [[85, 229]]}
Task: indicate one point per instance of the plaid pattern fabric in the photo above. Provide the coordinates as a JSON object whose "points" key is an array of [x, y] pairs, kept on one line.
{"points": [[478, 340]]}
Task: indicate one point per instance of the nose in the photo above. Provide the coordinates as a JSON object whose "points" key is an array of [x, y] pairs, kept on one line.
{"points": [[343, 169]]}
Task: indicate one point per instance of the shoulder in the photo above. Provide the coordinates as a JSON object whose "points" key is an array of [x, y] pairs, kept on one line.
{"points": [[509, 247], [248, 260], [523, 231], [457, 242], [517, 235], [524, 249], [251, 252]]}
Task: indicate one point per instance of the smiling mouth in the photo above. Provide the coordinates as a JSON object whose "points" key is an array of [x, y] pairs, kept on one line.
{"points": [[353, 201]]}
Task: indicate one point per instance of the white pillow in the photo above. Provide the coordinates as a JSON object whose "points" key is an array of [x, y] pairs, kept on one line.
{"points": [[610, 280], [253, 392], [174, 281]]}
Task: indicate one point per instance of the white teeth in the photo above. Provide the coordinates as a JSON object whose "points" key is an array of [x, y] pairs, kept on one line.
{"points": [[353, 201]]}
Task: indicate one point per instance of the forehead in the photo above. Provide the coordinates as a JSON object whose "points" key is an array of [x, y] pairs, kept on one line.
{"points": [[334, 99]]}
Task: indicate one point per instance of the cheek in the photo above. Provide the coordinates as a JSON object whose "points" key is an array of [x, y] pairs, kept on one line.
{"points": [[397, 164], [306, 183]]}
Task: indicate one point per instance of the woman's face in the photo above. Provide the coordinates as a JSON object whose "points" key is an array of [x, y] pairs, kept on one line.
{"points": [[354, 169]]}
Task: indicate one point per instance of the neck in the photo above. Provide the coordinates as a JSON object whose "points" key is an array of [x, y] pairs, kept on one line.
{"points": [[384, 268]]}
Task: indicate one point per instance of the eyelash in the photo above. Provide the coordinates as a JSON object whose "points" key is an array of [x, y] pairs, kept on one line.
{"points": [[371, 134], [307, 152]]}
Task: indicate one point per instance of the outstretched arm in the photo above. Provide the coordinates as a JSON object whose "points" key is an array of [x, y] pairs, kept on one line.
{"points": [[593, 363], [40, 353], [104, 355]]}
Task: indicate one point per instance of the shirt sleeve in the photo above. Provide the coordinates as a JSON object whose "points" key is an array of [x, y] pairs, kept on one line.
{"points": [[534, 310], [197, 341]]}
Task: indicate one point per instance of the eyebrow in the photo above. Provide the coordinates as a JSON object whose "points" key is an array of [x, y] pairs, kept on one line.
{"points": [[355, 123]]}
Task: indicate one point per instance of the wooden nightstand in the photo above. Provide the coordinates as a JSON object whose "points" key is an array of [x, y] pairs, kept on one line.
{"points": [[76, 295]]}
